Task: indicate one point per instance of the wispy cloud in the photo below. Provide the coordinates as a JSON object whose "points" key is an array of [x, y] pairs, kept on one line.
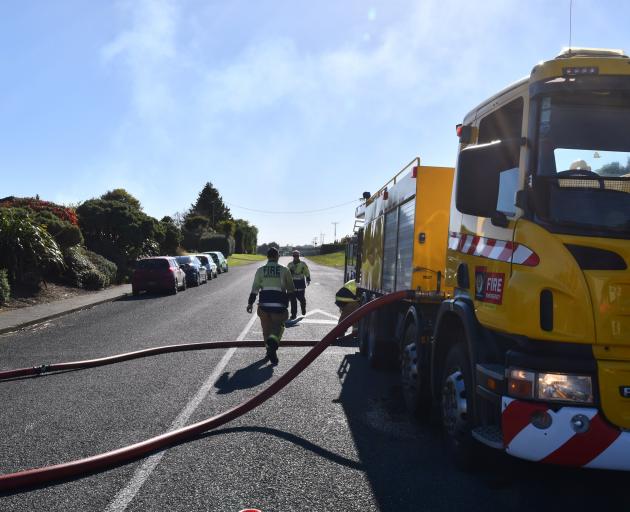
{"points": [[265, 109]]}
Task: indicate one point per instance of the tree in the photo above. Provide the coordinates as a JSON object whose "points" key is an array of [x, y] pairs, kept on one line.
{"points": [[120, 194], [195, 227], [262, 249], [172, 236], [26, 248], [245, 237], [614, 169], [209, 204], [226, 227], [119, 231]]}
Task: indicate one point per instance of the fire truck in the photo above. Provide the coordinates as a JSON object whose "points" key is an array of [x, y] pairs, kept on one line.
{"points": [[519, 333]]}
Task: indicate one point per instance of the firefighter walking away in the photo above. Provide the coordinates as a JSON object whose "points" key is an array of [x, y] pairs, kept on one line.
{"points": [[301, 278], [274, 284]]}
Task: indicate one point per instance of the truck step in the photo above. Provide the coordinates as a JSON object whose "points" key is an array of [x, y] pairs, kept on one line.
{"points": [[490, 435]]}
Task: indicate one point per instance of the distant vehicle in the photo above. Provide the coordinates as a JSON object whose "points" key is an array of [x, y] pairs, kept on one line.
{"points": [[219, 259], [196, 273], [159, 273], [208, 262]]}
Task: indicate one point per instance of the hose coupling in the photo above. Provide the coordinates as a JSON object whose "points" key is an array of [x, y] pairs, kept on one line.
{"points": [[42, 368]]}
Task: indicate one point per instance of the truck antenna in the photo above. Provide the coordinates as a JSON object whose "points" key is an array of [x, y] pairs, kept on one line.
{"points": [[570, 24]]}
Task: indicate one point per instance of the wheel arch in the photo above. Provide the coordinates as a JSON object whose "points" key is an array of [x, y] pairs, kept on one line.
{"points": [[455, 320]]}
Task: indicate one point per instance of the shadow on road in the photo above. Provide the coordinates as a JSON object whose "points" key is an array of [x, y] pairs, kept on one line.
{"points": [[292, 438], [142, 296], [245, 378], [408, 468]]}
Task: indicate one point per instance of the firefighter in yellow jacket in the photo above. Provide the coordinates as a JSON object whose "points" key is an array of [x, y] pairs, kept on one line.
{"points": [[301, 278], [348, 301], [275, 285]]}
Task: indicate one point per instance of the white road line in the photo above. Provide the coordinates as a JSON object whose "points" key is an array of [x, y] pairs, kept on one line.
{"points": [[316, 321], [325, 313], [125, 495]]}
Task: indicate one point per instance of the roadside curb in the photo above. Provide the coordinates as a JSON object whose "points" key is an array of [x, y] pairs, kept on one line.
{"points": [[22, 325]]}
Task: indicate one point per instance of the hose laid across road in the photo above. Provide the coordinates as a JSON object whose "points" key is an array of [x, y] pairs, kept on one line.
{"points": [[137, 354], [81, 467]]}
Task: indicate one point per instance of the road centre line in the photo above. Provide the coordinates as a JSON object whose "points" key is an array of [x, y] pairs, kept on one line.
{"points": [[125, 495]]}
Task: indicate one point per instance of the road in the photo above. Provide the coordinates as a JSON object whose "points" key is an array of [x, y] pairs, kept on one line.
{"points": [[336, 439]]}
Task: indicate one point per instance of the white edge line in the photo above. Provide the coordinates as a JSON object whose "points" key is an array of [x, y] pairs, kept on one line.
{"points": [[127, 493]]}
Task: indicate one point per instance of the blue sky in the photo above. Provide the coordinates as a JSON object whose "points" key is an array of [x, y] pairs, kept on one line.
{"points": [[282, 105]]}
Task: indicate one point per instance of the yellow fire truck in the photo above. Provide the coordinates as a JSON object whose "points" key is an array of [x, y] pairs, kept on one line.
{"points": [[520, 330]]}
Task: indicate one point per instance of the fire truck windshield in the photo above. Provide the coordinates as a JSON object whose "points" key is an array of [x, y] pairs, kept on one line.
{"points": [[583, 171]]}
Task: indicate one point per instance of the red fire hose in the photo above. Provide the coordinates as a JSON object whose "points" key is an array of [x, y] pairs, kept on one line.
{"points": [[38, 476], [137, 354]]}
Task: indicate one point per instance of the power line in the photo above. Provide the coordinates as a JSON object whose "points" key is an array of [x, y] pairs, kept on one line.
{"points": [[300, 212]]}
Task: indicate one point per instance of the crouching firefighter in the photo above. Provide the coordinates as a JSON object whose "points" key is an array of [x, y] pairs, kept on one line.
{"points": [[347, 301], [275, 285], [301, 277]]}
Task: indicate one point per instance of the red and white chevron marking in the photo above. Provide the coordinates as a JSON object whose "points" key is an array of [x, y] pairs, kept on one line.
{"points": [[602, 446], [491, 248]]}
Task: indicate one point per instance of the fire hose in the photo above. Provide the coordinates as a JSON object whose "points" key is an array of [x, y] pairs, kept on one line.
{"points": [[94, 463]]}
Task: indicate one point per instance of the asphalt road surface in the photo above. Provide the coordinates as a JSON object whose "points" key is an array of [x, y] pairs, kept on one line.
{"points": [[336, 439]]}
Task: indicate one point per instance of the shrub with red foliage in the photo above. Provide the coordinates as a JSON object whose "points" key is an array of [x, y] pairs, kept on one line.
{"points": [[67, 214]]}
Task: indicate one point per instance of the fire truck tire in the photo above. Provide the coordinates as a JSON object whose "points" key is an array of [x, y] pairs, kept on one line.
{"points": [[414, 394], [376, 347], [363, 341], [456, 407]]}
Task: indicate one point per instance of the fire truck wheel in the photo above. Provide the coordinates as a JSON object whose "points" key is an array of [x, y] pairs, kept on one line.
{"points": [[410, 371], [456, 407], [363, 330], [376, 349]]}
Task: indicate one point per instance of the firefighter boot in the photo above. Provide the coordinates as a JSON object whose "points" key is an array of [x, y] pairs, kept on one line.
{"points": [[272, 348]]}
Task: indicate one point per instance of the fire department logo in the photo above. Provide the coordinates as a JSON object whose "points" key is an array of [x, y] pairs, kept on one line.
{"points": [[489, 285]]}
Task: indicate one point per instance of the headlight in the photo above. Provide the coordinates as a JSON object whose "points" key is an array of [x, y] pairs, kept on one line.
{"points": [[565, 388], [550, 387]]}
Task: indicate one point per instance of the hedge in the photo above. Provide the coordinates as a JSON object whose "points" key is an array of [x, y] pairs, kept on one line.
{"points": [[217, 242], [86, 269], [5, 289]]}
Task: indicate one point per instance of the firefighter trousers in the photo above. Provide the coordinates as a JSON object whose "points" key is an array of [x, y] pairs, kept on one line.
{"points": [[298, 296], [347, 309], [272, 323]]}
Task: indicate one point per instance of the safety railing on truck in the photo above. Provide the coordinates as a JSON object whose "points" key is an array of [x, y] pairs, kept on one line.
{"points": [[414, 163]]}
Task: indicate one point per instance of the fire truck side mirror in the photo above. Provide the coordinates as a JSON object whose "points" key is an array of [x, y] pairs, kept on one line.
{"points": [[366, 195], [478, 171]]}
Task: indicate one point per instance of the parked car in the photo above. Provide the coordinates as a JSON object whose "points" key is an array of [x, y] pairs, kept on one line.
{"points": [[158, 273], [219, 259], [196, 273], [208, 262]]}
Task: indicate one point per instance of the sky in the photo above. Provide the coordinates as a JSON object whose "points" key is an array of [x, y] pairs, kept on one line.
{"points": [[285, 106]]}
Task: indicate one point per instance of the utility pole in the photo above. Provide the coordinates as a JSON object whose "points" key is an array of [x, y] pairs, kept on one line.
{"points": [[335, 237], [321, 238]]}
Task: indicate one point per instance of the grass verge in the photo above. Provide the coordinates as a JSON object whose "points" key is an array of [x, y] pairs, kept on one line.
{"points": [[334, 259], [244, 259]]}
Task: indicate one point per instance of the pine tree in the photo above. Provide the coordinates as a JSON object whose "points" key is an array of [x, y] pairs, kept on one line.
{"points": [[209, 204]]}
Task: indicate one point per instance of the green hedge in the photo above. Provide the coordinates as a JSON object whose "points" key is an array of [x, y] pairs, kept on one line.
{"points": [[86, 269], [217, 242], [108, 268], [27, 250], [5, 289]]}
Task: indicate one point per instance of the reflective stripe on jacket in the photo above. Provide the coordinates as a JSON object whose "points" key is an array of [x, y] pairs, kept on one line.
{"points": [[347, 293], [300, 273], [273, 283]]}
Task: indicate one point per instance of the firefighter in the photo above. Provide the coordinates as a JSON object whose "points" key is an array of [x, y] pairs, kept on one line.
{"points": [[275, 285], [301, 278], [348, 301]]}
